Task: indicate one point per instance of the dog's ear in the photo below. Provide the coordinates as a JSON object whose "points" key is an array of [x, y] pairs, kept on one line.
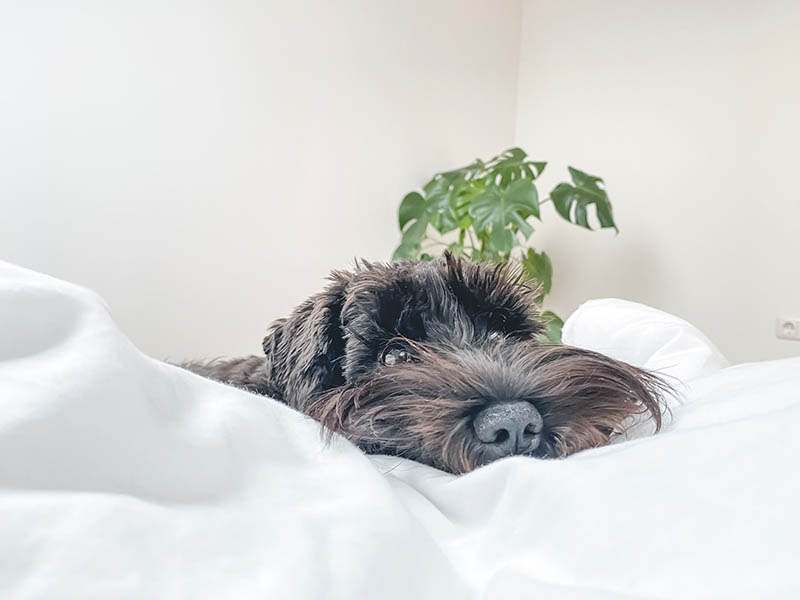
{"points": [[305, 350]]}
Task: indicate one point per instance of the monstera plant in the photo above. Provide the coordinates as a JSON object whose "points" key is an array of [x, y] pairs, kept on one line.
{"points": [[484, 212]]}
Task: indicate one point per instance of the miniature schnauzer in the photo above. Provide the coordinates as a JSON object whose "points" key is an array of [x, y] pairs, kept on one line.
{"points": [[440, 362]]}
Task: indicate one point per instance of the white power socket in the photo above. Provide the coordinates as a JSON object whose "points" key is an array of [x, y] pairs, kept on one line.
{"points": [[787, 329]]}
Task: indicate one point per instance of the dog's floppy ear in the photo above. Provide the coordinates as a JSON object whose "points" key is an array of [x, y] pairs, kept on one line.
{"points": [[304, 351]]}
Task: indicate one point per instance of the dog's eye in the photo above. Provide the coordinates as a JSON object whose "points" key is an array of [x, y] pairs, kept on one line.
{"points": [[494, 323], [494, 335], [395, 356]]}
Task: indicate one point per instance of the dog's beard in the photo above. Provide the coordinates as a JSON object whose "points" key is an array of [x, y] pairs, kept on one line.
{"points": [[424, 410]]}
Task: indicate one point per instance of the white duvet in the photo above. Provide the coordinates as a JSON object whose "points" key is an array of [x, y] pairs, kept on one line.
{"points": [[124, 477]]}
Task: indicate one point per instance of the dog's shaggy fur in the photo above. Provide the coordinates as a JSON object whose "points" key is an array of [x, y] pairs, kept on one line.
{"points": [[404, 359]]}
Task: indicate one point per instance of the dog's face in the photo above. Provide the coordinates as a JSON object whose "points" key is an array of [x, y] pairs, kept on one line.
{"points": [[439, 362]]}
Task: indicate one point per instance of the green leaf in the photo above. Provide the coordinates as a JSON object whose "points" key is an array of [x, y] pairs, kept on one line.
{"points": [[415, 233], [539, 166], [502, 239], [494, 211], [483, 208], [533, 169], [413, 218], [439, 204], [571, 201], [406, 252], [429, 186], [523, 201], [512, 156], [463, 173], [465, 196], [412, 207], [528, 171], [511, 166], [583, 179], [553, 326], [506, 168], [537, 266]]}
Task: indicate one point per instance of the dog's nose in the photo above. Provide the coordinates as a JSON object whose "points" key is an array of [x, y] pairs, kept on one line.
{"points": [[509, 428]]}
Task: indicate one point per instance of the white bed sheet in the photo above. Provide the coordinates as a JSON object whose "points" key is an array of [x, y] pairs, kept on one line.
{"points": [[124, 477]]}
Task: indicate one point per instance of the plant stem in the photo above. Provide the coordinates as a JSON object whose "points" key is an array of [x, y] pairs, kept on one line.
{"points": [[472, 240]]}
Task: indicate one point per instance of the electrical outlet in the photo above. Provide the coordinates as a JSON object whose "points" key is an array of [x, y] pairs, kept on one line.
{"points": [[787, 329]]}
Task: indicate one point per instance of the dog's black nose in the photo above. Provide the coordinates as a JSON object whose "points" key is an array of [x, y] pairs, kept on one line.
{"points": [[509, 428]]}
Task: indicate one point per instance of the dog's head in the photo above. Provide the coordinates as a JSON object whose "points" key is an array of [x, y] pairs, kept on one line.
{"points": [[439, 362]]}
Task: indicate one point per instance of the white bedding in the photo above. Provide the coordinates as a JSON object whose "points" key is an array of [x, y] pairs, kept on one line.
{"points": [[124, 477]]}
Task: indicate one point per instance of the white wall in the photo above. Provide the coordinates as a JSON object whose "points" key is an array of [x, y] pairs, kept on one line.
{"points": [[691, 111], [203, 165]]}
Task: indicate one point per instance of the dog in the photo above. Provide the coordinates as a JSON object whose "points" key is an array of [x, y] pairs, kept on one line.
{"points": [[441, 362]]}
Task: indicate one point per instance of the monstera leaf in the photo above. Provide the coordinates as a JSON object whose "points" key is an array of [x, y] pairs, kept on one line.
{"points": [[511, 166], [572, 200], [441, 208], [413, 219], [440, 202], [537, 266], [501, 213], [553, 326]]}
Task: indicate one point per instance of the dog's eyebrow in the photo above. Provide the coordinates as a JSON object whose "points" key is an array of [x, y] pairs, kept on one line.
{"points": [[355, 334], [407, 326]]}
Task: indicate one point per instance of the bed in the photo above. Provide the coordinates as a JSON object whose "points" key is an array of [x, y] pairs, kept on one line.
{"points": [[124, 477]]}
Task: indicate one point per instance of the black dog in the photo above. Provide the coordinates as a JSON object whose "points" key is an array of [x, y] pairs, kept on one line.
{"points": [[439, 362]]}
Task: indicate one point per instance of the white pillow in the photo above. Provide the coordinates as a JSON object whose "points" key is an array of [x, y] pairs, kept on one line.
{"points": [[644, 337]]}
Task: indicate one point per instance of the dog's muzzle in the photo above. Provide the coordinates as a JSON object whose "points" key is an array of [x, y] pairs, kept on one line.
{"points": [[509, 428]]}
